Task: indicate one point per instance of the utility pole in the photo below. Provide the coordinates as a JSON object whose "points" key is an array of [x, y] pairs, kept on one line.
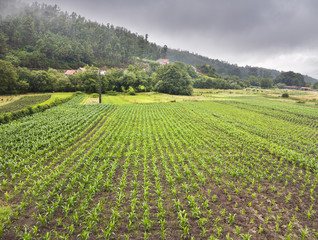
{"points": [[100, 87]]}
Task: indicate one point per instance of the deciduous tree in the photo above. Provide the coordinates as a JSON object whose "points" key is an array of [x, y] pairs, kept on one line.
{"points": [[8, 77], [173, 80]]}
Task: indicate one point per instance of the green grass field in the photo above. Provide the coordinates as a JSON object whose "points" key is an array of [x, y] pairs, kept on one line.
{"points": [[129, 99], [237, 167], [149, 97], [205, 95], [58, 95], [146, 98], [114, 100]]}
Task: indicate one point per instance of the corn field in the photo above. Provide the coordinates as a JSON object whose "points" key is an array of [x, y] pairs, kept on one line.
{"points": [[226, 169]]}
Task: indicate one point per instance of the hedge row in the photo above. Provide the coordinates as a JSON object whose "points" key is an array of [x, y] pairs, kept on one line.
{"points": [[8, 117]]}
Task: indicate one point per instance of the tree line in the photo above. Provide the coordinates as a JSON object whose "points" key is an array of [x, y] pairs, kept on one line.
{"points": [[211, 79], [174, 78]]}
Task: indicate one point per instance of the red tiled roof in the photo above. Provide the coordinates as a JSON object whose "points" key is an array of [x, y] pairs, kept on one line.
{"points": [[69, 72], [163, 61]]}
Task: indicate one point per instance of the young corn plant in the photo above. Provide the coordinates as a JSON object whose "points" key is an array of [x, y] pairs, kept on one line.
{"points": [[304, 233], [219, 231], [246, 236], [231, 218], [26, 235], [183, 223], [260, 229]]}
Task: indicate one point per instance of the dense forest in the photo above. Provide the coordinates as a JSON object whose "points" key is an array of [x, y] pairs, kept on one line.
{"points": [[42, 36]]}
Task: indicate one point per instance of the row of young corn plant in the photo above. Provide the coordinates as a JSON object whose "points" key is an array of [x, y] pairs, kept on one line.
{"points": [[36, 128], [106, 173], [43, 185], [300, 136], [230, 185], [194, 172], [196, 180], [297, 113], [280, 163], [184, 226], [69, 152], [32, 175], [25, 169], [114, 185], [16, 169]]}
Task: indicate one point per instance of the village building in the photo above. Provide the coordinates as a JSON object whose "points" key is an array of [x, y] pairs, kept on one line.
{"points": [[69, 72], [163, 61], [305, 89], [82, 69]]}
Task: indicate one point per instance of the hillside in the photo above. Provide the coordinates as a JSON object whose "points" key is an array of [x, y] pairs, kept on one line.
{"points": [[41, 36], [310, 79], [225, 68]]}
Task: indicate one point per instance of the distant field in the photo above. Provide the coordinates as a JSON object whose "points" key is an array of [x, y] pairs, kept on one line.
{"points": [[55, 96], [7, 99], [205, 95], [149, 97], [19, 102], [24, 102], [238, 167], [129, 99]]}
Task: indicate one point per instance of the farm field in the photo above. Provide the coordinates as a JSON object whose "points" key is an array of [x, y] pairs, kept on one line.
{"points": [[23, 102], [19, 102], [310, 97], [239, 167], [58, 95], [149, 97]]}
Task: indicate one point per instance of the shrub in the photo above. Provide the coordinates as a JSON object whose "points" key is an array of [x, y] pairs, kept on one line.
{"points": [[285, 95], [112, 93], [6, 117], [30, 109], [95, 95], [131, 91], [141, 88]]}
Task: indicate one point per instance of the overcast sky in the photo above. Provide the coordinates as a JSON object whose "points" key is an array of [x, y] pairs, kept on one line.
{"points": [[278, 34]]}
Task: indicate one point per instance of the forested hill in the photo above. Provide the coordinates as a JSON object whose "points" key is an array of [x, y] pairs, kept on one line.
{"points": [[221, 67], [225, 68], [42, 36]]}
